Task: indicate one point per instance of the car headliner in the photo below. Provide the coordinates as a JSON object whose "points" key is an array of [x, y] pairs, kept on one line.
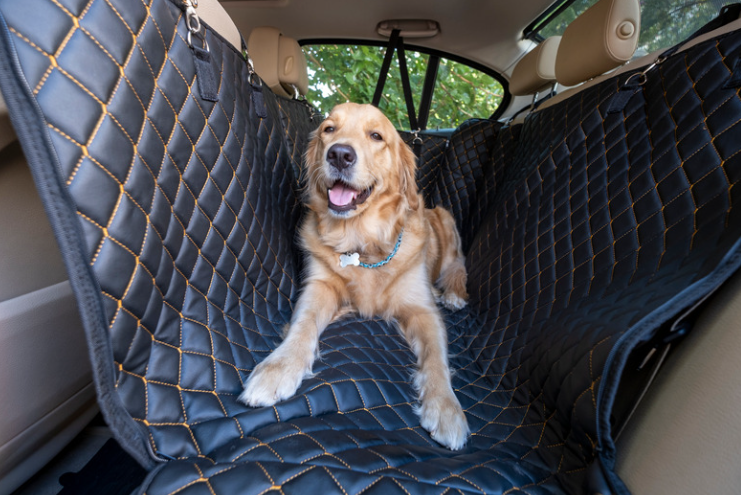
{"points": [[488, 32]]}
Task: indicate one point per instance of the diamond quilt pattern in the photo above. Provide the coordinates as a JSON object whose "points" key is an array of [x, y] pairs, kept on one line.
{"points": [[469, 175], [430, 151], [299, 119], [578, 225], [190, 232], [460, 173]]}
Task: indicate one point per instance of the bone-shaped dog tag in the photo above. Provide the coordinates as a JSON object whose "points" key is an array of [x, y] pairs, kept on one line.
{"points": [[349, 259]]}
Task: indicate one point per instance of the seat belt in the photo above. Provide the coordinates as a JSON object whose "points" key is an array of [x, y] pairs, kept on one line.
{"points": [[425, 103], [385, 66], [407, 87], [396, 44]]}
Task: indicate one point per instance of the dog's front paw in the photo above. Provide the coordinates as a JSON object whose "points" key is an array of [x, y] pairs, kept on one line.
{"points": [[443, 417], [452, 301], [275, 379]]}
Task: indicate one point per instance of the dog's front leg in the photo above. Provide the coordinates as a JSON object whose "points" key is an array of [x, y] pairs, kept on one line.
{"points": [[278, 377], [440, 412]]}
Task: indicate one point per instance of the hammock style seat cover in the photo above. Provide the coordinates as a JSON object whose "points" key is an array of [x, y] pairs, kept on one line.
{"points": [[171, 179]]}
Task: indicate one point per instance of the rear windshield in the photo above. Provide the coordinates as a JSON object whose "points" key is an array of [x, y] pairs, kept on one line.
{"points": [[663, 22]]}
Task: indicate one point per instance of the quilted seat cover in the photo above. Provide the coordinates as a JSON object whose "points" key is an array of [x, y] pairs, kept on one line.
{"points": [[176, 215]]}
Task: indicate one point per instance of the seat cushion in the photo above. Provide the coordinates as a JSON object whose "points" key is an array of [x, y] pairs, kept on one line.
{"points": [[599, 228]]}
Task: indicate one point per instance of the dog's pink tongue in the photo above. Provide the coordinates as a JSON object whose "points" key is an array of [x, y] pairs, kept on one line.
{"points": [[341, 195]]}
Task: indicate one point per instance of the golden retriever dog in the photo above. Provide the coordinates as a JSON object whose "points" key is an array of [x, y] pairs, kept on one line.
{"points": [[373, 248]]}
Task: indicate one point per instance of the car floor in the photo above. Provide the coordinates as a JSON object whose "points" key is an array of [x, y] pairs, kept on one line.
{"points": [[92, 463]]}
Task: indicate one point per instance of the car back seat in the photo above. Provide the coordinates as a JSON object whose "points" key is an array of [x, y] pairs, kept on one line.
{"points": [[279, 61], [480, 154], [683, 436], [473, 168], [281, 64], [590, 244]]}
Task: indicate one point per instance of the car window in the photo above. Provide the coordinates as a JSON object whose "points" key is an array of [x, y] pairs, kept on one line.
{"points": [[342, 72], [663, 22]]}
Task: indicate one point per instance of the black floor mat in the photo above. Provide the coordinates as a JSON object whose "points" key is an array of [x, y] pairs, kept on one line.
{"points": [[111, 471]]}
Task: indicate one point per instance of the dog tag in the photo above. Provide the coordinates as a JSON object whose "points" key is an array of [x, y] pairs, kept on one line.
{"points": [[349, 259]]}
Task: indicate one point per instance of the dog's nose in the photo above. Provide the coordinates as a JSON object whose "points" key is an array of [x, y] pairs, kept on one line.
{"points": [[341, 156]]}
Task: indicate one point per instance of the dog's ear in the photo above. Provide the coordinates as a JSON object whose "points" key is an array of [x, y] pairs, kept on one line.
{"points": [[312, 156], [408, 162], [312, 149]]}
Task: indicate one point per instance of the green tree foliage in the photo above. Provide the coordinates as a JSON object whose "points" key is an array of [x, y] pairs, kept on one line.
{"points": [[663, 22], [667, 22], [341, 73]]}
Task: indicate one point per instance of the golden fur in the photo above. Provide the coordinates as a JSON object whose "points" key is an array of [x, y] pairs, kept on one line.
{"points": [[357, 149]]}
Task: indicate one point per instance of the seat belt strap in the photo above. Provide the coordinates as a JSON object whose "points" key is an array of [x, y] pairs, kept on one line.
{"points": [[426, 102], [407, 86], [393, 41]]}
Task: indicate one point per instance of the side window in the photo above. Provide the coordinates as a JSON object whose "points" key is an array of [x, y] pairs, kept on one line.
{"points": [[663, 22], [340, 73], [462, 92]]}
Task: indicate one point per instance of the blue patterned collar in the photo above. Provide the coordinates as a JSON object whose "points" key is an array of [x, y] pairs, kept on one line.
{"points": [[353, 259]]}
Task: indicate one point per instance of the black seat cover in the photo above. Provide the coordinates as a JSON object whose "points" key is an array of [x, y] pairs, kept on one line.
{"points": [[177, 219]]}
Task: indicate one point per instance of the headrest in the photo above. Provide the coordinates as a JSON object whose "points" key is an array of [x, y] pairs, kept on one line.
{"points": [[600, 39], [213, 14], [536, 70], [279, 61]]}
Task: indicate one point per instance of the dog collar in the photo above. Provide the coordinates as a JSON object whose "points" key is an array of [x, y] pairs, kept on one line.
{"points": [[353, 259]]}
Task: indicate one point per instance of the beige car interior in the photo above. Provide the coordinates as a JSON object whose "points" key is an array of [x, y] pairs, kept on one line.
{"points": [[600, 39], [536, 71], [678, 442], [45, 380], [279, 61]]}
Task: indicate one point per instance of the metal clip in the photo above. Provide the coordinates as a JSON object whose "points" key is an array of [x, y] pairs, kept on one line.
{"points": [[417, 139], [253, 77], [194, 24], [643, 75]]}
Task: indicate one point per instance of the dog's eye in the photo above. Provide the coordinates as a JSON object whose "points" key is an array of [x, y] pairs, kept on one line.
{"points": [[329, 129], [376, 137]]}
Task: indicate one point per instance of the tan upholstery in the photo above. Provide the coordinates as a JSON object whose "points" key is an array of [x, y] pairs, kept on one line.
{"points": [[536, 70], [600, 39], [29, 256], [45, 381], [279, 61], [45, 377], [685, 435], [642, 62], [212, 13]]}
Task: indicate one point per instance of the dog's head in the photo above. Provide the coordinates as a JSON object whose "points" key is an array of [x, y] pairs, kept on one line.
{"points": [[356, 161]]}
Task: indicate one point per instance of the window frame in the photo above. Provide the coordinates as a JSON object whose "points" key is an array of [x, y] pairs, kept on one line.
{"points": [[532, 30], [506, 97]]}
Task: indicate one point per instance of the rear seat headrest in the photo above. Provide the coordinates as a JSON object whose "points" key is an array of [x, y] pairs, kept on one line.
{"points": [[600, 39], [279, 61], [213, 14], [536, 70]]}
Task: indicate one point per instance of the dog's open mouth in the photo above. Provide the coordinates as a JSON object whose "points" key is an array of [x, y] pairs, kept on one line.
{"points": [[343, 197]]}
